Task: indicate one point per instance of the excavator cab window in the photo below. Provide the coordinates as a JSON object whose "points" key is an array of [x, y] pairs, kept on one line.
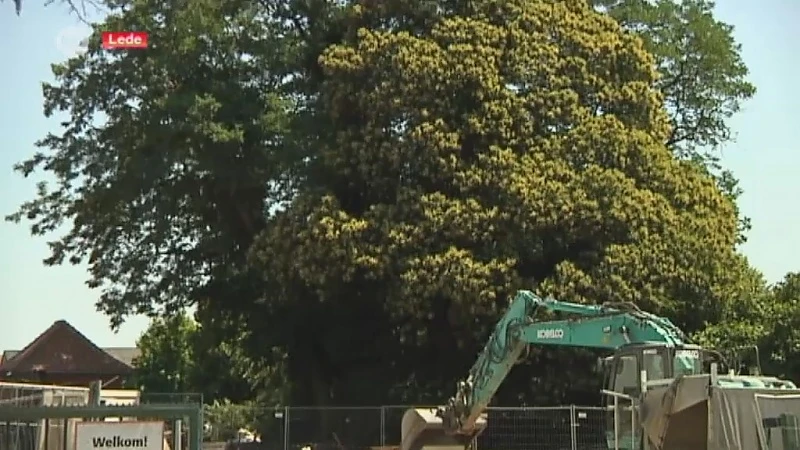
{"points": [[656, 363], [622, 376], [628, 364], [626, 376], [689, 361]]}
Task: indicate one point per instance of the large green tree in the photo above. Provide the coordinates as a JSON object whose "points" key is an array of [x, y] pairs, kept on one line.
{"points": [[169, 156], [521, 145], [398, 186], [169, 159], [703, 77]]}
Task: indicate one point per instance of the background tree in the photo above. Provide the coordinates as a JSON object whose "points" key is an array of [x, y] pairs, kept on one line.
{"points": [[401, 233], [703, 77], [178, 355], [746, 318], [197, 148], [167, 359], [766, 316], [183, 166], [781, 345], [228, 372]]}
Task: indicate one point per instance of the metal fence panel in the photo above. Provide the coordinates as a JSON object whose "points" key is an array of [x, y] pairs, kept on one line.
{"points": [[392, 417], [353, 428], [233, 423], [378, 428], [527, 429], [42, 434], [590, 425], [19, 435]]}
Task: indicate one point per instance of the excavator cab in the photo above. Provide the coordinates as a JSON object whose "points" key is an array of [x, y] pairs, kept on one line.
{"points": [[622, 383]]}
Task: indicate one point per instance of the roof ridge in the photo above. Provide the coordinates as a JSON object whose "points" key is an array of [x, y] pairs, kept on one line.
{"points": [[32, 344]]}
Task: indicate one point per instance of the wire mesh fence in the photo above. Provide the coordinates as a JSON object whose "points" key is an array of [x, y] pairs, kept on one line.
{"points": [[378, 428], [42, 434], [171, 397], [255, 427]]}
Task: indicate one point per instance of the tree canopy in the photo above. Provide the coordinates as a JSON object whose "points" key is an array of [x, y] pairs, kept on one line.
{"points": [[166, 360], [765, 317], [175, 355], [703, 77], [77, 7], [519, 146], [351, 190]]}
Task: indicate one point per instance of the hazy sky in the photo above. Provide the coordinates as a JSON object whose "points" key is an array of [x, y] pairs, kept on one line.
{"points": [[765, 158]]}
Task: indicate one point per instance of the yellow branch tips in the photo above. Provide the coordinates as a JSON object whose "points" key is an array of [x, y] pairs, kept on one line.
{"points": [[521, 145]]}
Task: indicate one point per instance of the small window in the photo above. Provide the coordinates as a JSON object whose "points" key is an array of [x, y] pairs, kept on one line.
{"points": [[688, 362], [655, 365], [627, 379]]}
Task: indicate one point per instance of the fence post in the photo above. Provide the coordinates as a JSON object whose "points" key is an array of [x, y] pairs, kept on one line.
{"points": [[286, 420], [383, 426], [573, 427]]}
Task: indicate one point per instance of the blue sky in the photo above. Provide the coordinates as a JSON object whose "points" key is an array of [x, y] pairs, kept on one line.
{"points": [[765, 158]]}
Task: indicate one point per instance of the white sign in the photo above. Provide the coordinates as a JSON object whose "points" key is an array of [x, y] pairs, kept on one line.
{"points": [[551, 333], [119, 435]]}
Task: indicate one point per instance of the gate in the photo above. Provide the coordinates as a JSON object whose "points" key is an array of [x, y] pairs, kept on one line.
{"points": [[56, 424]]}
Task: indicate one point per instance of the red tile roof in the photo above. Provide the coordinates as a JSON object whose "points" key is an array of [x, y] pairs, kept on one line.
{"points": [[62, 349]]}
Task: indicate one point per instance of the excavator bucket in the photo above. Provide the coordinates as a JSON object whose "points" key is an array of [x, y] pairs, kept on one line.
{"points": [[421, 429]]}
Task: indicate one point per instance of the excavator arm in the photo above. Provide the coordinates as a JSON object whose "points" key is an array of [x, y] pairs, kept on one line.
{"points": [[608, 326], [597, 326]]}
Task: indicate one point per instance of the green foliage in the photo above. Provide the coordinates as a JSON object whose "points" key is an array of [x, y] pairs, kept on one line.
{"points": [[226, 419], [765, 316], [164, 167], [228, 371], [167, 360], [349, 191], [745, 319], [520, 146], [782, 344], [703, 77], [178, 355]]}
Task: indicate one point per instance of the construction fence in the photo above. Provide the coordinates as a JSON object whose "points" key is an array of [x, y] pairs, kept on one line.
{"points": [[21, 431], [372, 428], [333, 428]]}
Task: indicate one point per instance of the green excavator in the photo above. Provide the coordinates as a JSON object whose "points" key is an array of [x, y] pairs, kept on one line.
{"points": [[661, 391]]}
